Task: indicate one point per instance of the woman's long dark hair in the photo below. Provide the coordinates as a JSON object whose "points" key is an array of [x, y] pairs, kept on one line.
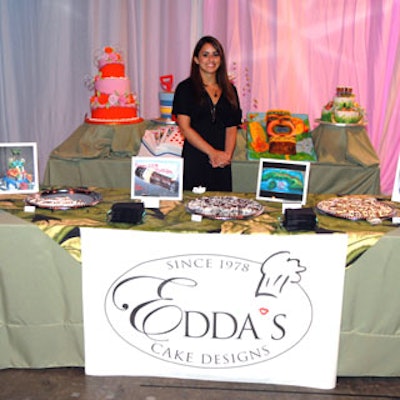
{"points": [[222, 73]]}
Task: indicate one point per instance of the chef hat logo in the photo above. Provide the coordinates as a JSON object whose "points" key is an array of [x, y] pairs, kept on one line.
{"points": [[278, 271]]}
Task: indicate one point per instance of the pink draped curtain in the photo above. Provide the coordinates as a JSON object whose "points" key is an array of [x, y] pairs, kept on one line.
{"points": [[292, 54], [287, 54]]}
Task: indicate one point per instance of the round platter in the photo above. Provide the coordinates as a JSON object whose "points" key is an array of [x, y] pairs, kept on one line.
{"points": [[356, 208], [64, 199], [164, 121], [125, 121], [320, 121], [224, 207]]}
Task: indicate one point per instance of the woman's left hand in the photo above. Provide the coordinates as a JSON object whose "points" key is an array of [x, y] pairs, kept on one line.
{"points": [[220, 159]]}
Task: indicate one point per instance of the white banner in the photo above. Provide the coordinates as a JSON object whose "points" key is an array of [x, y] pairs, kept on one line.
{"points": [[245, 308]]}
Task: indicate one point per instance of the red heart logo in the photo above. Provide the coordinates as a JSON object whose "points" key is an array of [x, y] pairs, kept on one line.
{"points": [[264, 311]]}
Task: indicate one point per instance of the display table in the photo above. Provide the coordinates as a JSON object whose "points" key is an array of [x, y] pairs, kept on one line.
{"points": [[100, 155], [41, 308]]}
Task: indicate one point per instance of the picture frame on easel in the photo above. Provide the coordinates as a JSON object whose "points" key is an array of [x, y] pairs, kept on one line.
{"points": [[283, 181], [396, 184], [19, 168], [156, 178]]}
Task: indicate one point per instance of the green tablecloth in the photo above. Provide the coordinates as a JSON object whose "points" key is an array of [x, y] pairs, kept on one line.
{"points": [[344, 145], [40, 286], [100, 155]]}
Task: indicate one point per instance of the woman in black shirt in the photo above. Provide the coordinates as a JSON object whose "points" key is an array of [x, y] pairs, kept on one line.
{"points": [[207, 109]]}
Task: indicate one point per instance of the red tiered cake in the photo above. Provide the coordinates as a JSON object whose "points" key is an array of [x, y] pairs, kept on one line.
{"points": [[112, 102]]}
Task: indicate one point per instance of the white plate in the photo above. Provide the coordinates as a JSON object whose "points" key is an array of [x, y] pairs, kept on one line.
{"points": [[164, 121], [361, 123]]}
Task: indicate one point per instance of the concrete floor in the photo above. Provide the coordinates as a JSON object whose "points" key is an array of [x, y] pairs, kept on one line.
{"points": [[72, 383]]}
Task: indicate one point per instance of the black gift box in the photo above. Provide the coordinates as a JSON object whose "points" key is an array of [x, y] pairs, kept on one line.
{"points": [[300, 219], [131, 213]]}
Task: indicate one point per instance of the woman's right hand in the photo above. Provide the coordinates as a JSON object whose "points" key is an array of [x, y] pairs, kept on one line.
{"points": [[219, 159]]}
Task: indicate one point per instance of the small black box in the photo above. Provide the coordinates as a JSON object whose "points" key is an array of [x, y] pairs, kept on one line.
{"points": [[300, 219], [131, 213]]}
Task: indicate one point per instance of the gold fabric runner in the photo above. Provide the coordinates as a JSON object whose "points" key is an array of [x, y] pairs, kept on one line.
{"points": [[63, 225]]}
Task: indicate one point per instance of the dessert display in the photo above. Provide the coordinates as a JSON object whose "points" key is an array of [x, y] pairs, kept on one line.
{"points": [[112, 101], [165, 141], [63, 199], [279, 134], [225, 207], [166, 99], [355, 208], [343, 108]]}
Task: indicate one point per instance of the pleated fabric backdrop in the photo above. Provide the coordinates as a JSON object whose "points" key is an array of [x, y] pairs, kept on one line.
{"points": [[284, 54]]}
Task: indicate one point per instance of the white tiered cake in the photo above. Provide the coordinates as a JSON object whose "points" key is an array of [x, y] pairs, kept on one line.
{"points": [[343, 108]]}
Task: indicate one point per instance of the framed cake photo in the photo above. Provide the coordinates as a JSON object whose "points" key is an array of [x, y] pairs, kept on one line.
{"points": [[283, 181], [156, 178], [18, 168], [396, 184]]}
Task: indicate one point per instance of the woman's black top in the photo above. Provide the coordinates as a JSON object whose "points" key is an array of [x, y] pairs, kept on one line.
{"points": [[210, 121]]}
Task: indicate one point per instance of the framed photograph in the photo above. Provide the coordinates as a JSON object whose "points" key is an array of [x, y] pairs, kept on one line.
{"points": [[157, 178], [396, 185], [283, 181], [18, 168]]}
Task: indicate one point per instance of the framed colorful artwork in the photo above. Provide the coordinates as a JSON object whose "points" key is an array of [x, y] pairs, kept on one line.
{"points": [[283, 181], [19, 168], [156, 178]]}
